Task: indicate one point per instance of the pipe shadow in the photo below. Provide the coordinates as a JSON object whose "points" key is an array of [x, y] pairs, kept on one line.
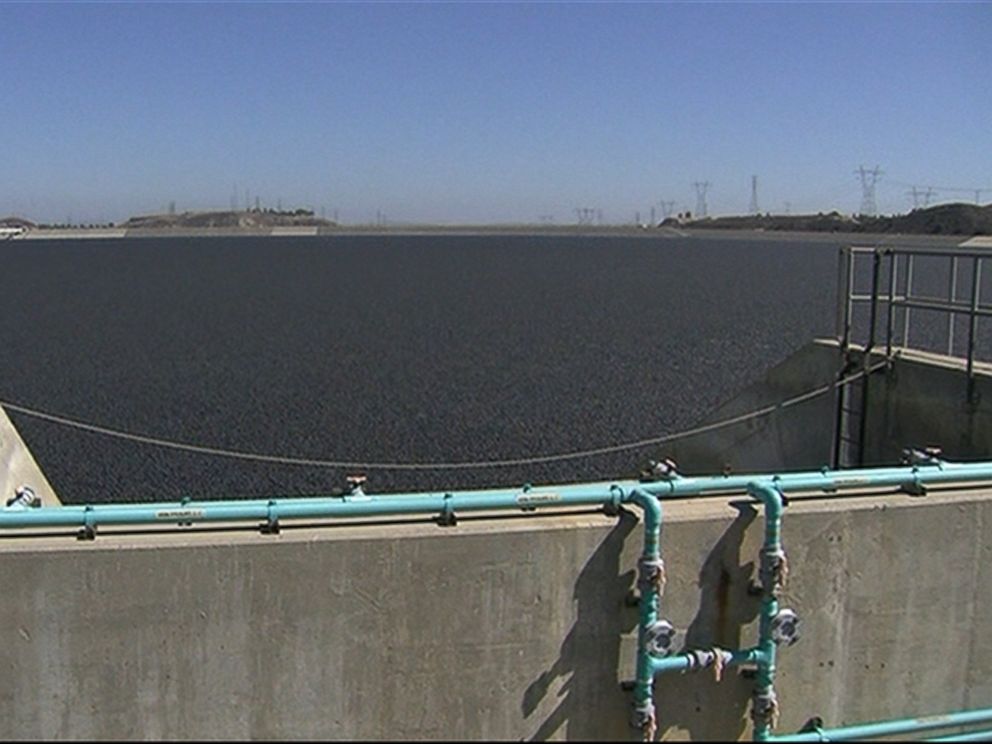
{"points": [[590, 654], [697, 703]]}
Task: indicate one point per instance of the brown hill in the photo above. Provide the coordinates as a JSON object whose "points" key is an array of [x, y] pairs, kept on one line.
{"points": [[249, 219], [14, 221], [943, 219]]}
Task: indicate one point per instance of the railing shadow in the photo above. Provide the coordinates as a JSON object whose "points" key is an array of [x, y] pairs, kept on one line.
{"points": [[593, 705], [590, 654]]}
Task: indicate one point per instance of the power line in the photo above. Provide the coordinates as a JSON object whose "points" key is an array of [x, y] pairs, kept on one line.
{"points": [[977, 191], [971, 189]]}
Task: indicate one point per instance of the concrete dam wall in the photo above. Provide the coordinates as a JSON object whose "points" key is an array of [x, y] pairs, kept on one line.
{"points": [[513, 627]]}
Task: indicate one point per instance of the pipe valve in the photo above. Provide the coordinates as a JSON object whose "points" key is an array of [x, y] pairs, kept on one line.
{"points": [[764, 709], [774, 570], [660, 638], [785, 627], [651, 574], [355, 490], [925, 456], [643, 719], [656, 470], [24, 498]]}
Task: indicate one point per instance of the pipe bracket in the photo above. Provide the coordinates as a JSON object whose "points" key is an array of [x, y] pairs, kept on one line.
{"points": [[915, 487], [447, 517], [88, 530], [612, 507], [271, 524]]}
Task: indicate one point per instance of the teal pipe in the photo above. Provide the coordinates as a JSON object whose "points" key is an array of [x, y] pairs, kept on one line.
{"points": [[970, 736], [829, 481], [650, 582], [352, 505], [764, 704], [525, 498], [690, 661], [893, 728]]}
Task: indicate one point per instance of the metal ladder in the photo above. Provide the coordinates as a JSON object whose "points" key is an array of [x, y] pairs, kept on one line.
{"points": [[852, 395], [852, 401]]}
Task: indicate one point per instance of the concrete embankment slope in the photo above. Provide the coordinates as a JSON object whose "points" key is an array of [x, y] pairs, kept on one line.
{"points": [[508, 628], [19, 468]]}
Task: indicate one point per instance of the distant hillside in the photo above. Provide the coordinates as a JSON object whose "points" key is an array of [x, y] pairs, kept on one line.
{"points": [[13, 221], [249, 219], [944, 219]]}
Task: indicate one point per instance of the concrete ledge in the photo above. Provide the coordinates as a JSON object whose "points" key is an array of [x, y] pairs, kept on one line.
{"points": [[74, 234], [290, 231]]}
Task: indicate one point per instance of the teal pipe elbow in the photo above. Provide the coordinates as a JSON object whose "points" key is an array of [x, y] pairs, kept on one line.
{"points": [[651, 508]]}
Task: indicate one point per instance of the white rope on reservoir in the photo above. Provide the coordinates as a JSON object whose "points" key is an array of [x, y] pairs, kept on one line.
{"points": [[478, 464]]}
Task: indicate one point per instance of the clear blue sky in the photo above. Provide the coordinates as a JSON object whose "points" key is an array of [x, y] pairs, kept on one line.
{"points": [[479, 112]]}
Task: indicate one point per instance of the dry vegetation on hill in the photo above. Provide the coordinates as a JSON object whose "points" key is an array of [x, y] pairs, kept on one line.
{"points": [[943, 219]]}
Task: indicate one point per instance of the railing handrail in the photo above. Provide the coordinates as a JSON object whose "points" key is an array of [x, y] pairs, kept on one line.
{"points": [[895, 297]]}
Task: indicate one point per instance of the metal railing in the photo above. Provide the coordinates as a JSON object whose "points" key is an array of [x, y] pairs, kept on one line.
{"points": [[893, 293], [899, 294]]}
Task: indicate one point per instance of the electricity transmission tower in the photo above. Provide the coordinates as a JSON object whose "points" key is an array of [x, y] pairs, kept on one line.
{"points": [[701, 188], [868, 180], [667, 208], [585, 215], [753, 209], [919, 195]]}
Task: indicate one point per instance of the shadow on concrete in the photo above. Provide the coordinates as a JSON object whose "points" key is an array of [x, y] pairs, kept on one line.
{"points": [[590, 654], [696, 703]]}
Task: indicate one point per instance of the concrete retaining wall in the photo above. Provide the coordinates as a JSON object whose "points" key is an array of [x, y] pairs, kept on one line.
{"points": [[796, 438], [512, 628], [926, 400]]}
